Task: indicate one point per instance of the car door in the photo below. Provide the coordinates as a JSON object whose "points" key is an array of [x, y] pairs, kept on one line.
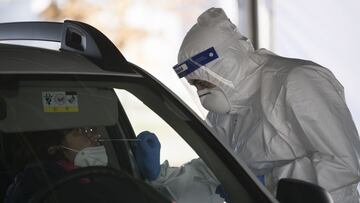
{"points": [[185, 137]]}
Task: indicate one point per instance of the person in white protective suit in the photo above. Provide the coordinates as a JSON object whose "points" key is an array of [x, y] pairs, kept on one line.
{"points": [[286, 118]]}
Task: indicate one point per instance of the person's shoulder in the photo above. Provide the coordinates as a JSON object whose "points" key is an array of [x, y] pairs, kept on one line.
{"points": [[313, 81], [310, 73], [32, 178], [279, 66], [302, 78], [37, 170], [302, 71]]}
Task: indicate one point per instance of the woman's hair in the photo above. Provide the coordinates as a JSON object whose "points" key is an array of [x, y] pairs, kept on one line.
{"points": [[28, 147], [55, 147]]}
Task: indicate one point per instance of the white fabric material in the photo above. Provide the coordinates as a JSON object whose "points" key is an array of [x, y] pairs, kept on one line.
{"points": [[214, 100], [288, 117], [192, 182], [90, 156]]}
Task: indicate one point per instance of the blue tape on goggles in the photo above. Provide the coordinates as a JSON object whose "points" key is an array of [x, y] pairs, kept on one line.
{"points": [[185, 68]]}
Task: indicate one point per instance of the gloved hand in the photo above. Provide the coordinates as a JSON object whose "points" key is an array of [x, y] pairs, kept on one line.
{"points": [[147, 155], [221, 191], [262, 179]]}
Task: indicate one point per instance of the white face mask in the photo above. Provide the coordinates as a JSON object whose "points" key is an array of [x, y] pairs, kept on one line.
{"points": [[214, 100], [90, 156]]}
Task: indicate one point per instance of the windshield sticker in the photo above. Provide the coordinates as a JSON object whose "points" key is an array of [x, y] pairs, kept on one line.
{"points": [[60, 102]]}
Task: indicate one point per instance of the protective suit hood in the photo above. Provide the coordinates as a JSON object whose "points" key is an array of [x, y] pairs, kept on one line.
{"points": [[237, 69]]}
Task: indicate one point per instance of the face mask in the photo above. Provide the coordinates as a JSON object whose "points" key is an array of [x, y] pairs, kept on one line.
{"points": [[90, 156], [214, 100]]}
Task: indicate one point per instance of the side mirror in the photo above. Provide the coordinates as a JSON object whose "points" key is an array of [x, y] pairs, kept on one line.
{"points": [[298, 191]]}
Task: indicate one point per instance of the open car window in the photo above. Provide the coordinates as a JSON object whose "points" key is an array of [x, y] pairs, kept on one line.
{"points": [[173, 147]]}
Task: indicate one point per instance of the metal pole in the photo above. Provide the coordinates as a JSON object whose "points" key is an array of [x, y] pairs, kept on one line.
{"points": [[254, 23], [248, 20]]}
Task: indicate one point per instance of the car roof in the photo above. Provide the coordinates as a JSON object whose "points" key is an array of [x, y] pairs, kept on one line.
{"points": [[84, 50], [29, 60]]}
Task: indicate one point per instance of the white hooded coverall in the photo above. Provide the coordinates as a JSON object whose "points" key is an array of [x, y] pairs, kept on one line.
{"points": [[288, 117]]}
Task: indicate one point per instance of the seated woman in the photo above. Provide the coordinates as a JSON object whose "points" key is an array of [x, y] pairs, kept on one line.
{"points": [[66, 150]]}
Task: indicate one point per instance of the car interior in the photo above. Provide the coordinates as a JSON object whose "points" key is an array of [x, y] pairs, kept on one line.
{"points": [[33, 112]]}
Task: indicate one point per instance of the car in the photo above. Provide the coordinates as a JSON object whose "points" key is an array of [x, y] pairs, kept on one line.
{"points": [[81, 84]]}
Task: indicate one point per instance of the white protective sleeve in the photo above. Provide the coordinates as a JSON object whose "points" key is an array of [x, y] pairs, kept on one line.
{"points": [[320, 111], [191, 182]]}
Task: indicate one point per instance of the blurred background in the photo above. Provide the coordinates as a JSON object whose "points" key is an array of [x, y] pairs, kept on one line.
{"points": [[149, 34]]}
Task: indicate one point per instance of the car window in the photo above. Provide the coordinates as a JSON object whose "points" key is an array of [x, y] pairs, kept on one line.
{"points": [[179, 160], [142, 118]]}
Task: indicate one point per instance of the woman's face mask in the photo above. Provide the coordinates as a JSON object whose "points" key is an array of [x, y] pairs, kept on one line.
{"points": [[214, 100], [88, 152], [90, 156]]}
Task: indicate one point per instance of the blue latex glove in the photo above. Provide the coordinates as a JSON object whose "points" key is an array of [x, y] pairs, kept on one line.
{"points": [[147, 155], [262, 179], [221, 191]]}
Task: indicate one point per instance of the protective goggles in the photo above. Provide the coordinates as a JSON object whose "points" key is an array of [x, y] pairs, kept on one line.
{"points": [[91, 133], [190, 65]]}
